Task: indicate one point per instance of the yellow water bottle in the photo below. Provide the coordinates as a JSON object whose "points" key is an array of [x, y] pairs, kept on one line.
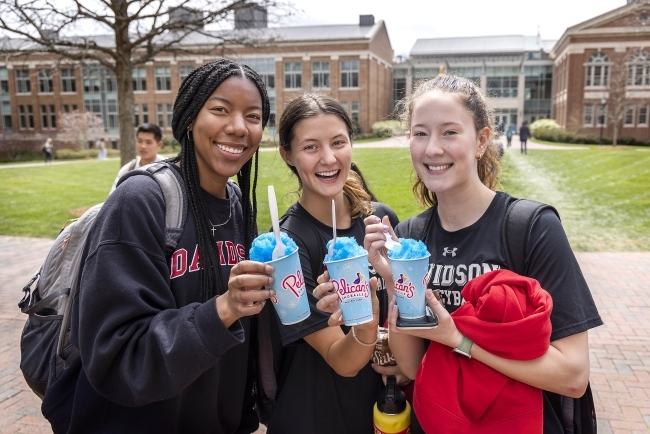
{"points": [[392, 413]]}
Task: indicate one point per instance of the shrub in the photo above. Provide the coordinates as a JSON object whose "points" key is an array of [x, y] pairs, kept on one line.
{"points": [[546, 124], [386, 128], [70, 154]]}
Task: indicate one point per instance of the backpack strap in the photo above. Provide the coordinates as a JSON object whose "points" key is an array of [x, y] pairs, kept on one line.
{"points": [[313, 241], [416, 227], [516, 229], [172, 186]]}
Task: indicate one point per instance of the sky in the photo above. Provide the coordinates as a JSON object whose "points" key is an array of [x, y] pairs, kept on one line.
{"points": [[408, 20]]}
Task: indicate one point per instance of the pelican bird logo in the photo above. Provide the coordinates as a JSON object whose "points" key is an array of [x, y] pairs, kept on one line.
{"points": [[358, 279], [402, 278]]}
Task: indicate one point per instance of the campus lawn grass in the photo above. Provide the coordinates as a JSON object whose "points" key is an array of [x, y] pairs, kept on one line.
{"points": [[603, 195]]}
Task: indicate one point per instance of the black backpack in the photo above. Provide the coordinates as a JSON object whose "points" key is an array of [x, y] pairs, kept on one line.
{"points": [[577, 415], [45, 346]]}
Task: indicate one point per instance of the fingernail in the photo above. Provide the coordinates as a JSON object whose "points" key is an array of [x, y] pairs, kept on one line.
{"points": [[385, 228], [394, 297], [377, 219], [394, 307]]}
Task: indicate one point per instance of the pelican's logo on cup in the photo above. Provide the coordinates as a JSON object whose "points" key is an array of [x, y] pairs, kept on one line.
{"points": [[358, 289], [294, 282], [404, 289]]}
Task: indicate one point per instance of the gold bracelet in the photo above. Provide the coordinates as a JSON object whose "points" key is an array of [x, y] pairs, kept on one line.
{"points": [[354, 335]]}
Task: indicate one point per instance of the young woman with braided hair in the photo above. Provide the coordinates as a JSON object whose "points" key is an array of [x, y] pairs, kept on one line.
{"points": [[164, 336]]}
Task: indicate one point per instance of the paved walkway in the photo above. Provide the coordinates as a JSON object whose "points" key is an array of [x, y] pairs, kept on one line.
{"points": [[620, 350]]}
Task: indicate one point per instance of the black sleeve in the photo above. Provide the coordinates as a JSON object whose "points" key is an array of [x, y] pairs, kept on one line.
{"points": [[317, 320], [137, 345], [552, 263]]}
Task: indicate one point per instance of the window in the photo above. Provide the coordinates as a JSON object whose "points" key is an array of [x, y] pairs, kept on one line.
{"points": [[161, 115], [354, 112], [139, 78], [265, 67], [110, 81], [93, 105], [69, 108], [589, 115], [638, 70], [145, 113], [136, 115], [163, 78], [293, 75], [111, 114], [7, 124], [643, 115], [26, 117], [91, 80], [184, 71], [502, 81], [22, 81], [320, 72], [271, 122], [68, 81], [170, 113], [629, 116], [4, 80], [45, 81], [472, 73], [349, 73], [597, 70], [48, 117]]}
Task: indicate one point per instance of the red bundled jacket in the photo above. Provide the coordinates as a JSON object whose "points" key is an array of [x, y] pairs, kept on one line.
{"points": [[509, 316]]}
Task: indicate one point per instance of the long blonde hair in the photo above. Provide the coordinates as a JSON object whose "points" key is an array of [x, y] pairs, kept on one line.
{"points": [[309, 105], [474, 102]]}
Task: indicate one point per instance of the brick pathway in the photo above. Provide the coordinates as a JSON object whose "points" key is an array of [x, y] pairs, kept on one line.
{"points": [[620, 350]]}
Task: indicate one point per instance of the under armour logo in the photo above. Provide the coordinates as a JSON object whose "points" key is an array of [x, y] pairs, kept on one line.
{"points": [[448, 250]]}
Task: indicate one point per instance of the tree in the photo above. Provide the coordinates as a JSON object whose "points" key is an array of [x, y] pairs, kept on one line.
{"points": [[139, 30], [80, 127], [617, 99]]}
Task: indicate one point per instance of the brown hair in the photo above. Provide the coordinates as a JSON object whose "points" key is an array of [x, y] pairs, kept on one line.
{"points": [[309, 105], [476, 104]]}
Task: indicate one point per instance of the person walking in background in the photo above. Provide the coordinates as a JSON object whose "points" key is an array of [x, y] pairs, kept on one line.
{"points": [[165, 338], [47, 150], [524, 134], [102, 152], [148, 141], [509, 134]]}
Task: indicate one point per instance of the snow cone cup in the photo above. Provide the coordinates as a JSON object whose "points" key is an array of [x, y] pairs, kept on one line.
{"points": [[350, 279], [410, 276], [290, 301]]}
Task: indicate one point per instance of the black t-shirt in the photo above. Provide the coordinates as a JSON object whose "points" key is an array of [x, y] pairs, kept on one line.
{"points": [[456, 257], [313, 398], [156, 359]]}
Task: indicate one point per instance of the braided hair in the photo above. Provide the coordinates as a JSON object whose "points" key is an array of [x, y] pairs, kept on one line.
{"points": [[192, 95]]}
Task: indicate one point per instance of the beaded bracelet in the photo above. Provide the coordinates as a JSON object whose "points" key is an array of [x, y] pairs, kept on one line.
{"points": [[354, 335]]}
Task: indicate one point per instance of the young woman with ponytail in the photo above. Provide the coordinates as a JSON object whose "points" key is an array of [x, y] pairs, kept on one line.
{"points": [[164, 336], [326, 382]]}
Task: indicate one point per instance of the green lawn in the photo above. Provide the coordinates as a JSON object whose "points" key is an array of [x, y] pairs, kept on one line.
{"points": [[602, 194]]}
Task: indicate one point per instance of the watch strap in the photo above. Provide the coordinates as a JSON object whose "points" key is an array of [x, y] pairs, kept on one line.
{"points": [[464, 348]]}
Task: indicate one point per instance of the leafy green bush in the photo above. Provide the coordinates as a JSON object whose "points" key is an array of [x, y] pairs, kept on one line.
{"points": [[386, 128], [71, 154], [546, 124]]}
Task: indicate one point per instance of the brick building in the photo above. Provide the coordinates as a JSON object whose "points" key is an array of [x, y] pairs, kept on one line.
{"points": [[597, 60], [351, 62], [515, 71]]}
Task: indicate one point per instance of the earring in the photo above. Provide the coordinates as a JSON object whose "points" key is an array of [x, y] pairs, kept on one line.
{"points": [[478, 157], [188, 135]]}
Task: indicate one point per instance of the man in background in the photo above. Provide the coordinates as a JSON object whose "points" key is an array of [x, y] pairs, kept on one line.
{"points": [[524, 134], [148, 141]]}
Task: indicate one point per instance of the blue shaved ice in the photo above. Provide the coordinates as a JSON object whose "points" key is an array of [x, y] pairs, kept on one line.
{"points": [[345, 247], [408, 249], [263, 245]]}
